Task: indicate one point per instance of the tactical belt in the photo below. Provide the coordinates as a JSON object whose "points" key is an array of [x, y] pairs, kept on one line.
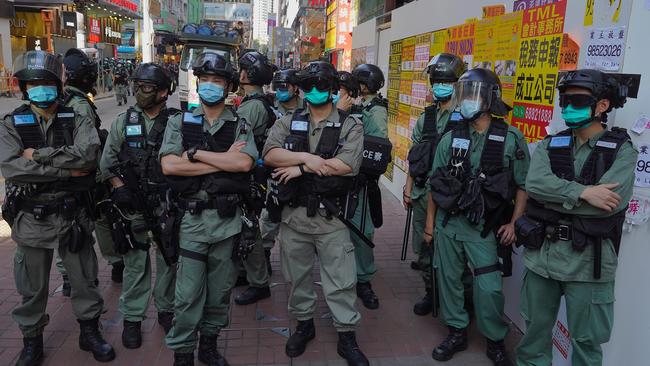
{"points": [[487, 269], [559, 232], [195, 207], [42, 209]]}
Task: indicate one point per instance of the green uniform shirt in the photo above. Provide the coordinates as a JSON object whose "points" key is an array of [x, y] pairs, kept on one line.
{"points": [[416, 137], [458, 224], [558, 260], [254, 113], [207, 227], [283, 110], [350, 153], [379, 116]]}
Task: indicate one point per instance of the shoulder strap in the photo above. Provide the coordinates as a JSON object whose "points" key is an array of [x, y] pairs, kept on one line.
{"points": [[454, 119], [26, 125], [560, 155], [299, 128], [192, 129], [429, 127], [603, 155], [69, 94], [155, 136], [64, 126], [328, 143], [377, 101], [460, 164], [492, 156]]}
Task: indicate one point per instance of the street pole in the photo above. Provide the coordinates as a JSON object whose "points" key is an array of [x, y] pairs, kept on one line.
{"points": [[147, 34]]}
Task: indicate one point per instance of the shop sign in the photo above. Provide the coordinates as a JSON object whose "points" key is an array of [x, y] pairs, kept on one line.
{"points": [[28, 24], [125, 4], [69, 20], [95, 32], [109, 32]]}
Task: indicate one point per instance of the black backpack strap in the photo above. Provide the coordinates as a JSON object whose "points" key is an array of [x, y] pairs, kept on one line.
{"points": [[454, 120], [492, 156], [192, 128], [155, 136], [460, 148], [603, 155], [224, 137], [26, 124], [135, 130], [329, 139], [560, 155], [429, 127], [64, 126], [377, 101]]}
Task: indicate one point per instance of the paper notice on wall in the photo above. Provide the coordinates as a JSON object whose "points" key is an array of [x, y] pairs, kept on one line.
{"points": [[605, 48], [642, 172], [638, 210], [641, 124]]}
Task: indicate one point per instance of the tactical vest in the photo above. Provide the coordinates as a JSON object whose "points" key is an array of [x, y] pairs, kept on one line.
{"points": [[28, 128], [102, 133], [270, 118], [214, 183]]}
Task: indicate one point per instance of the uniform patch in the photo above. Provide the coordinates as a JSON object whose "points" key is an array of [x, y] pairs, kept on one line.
{"points": [[24, 119], [133, 118], [560, 141], [134, 130], [188, 117], [455, 116], [458, 143], [65, 115], [333, 124], [299, 126], [497, 138], [606, 144]]}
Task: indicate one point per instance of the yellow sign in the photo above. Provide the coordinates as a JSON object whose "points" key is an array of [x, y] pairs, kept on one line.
{"points": [[330, 39], [589, 13], [29, 24], [493, 11]]}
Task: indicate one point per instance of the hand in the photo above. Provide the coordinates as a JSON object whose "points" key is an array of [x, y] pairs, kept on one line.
{"points": [[345, 102], [602, 196], [427, 238], [237, 146], [78, 173], [316, 164], [406, 201], [28, 154], [184, 155], [122, 196], [287, 173], [506, 234]]}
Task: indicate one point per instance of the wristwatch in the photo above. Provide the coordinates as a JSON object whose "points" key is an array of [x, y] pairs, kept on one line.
{"points": [[190, 154]]}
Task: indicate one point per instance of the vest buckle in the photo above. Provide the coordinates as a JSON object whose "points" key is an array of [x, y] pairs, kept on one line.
{"points": [[39, 212], [563, 233]]}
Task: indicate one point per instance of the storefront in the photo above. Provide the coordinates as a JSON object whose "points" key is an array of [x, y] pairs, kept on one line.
{"points": [[311, 34], [167, 45], [105, 22], [338, 38]]}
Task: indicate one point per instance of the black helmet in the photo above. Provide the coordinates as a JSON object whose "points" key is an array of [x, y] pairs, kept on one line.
{"points": [[350, 83], [214, 63], [600, 84], [445, 68], [80, 70], [258, 68], [155, 74], [319, 74], [38, 65], [484, 87], [283, 78], [370, 75]]}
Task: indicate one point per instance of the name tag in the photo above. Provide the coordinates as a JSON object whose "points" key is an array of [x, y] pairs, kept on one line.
{"points": [[458, 143], [560, 141], [332, 124], [455, 116], [24, 119], [497, 138], [188, 117], [65, 115], [134, 130], [299, 126], [606, 144]]}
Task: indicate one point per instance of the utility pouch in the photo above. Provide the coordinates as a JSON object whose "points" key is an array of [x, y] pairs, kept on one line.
{"points": [[70, 208], [530, 233], [10, 209], [312, 205], [245, 241], [170, 226], [76, 237], [420, 161], [227, 204], [374, 203]]}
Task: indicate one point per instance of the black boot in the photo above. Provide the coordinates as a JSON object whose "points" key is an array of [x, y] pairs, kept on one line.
{"points": [[348, 348], [367, 295], [456, 341], [269, 267], [424, 306], [32, 353], [253, 295], [165, 320], [66, 289], [415, 266], [183, 359], [90, 339], [117, 272], [208, 352], [132, 334], [297, 343], [496, 351], [241, 281]]}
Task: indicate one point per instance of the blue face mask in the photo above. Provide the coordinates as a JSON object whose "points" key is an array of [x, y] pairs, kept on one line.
{"points": [[211, 93], [283, 95], [470, 109], [442, 91], [317, 97], [42, 96], [576, 117], [335, 98]]}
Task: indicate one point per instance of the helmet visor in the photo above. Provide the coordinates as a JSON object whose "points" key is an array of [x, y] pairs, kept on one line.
{"points": [[322, 84], [279, 85], [474, 92], [38, 65], [577, 100], [210, 62]]}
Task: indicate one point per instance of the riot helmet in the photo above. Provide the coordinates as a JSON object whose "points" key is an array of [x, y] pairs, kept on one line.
{"points": [[370, 75], [80, 70], [283, 80], [258, 68], [214, 63], [349, 82], [478, 91], [154, 74], [444, 69], [318, 80], [39, 66]]}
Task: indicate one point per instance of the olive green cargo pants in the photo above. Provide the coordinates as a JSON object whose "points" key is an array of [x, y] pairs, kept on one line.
{"points": [[363, 254]]}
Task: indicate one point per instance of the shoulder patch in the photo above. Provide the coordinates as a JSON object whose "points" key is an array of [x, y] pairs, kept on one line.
{"points": [[460, 143], [560, 142], [188, 117], [455, 116], [300, 126], [24, 119]]}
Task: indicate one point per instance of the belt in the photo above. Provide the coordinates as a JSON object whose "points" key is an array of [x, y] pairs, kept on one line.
{"points": [[196, 206], [42, 209], [559, 232]]}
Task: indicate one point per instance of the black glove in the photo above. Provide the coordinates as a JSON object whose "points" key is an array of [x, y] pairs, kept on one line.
{"points": [[471, 202], [122, 197]]}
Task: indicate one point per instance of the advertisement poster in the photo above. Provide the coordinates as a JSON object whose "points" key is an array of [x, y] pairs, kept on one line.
{"points": [[605, 48]]}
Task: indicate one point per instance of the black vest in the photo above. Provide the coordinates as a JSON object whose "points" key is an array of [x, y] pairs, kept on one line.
{"points": [[270, 117]]}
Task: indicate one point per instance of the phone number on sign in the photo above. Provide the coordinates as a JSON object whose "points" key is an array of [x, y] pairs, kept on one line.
{"points": [[604, 50], [538, 114]]}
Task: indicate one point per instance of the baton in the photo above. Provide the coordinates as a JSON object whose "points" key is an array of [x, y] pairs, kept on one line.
{"points": [[434, 283], [407, 231], [364, 208], [332, 208]]}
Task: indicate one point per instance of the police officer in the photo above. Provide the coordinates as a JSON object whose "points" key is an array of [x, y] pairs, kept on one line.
{"points": [[255, 71], [209, 152], [375, 123], [348, 93], [120, 80], [580, 182], [478, 170], [444, 69], [48, 156], [130, 164], [316, 154]]}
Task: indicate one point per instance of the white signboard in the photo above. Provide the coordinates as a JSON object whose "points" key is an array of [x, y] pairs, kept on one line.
{"points": [[642, 171], [605, 48], [228, 11]]}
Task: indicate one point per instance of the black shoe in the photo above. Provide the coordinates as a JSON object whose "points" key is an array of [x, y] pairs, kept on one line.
{"points": [[32, 353], [208, 352], [496, 351], [119, 103], [165, 320], [269, 267], [241, 281], [424, 306], [253, 295], [456, 341], [66, 289], [132, 334], [183, 359], [415, 266], [367, 295], [348, 348], [117, 273], [297, 343], [90, 339]]}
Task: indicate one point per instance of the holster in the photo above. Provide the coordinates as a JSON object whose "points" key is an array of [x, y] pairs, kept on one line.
{"points": [[170, 226], [10, 208], [374, 202], [420, 159], [530, 232], [227, 204], [312, 205]]}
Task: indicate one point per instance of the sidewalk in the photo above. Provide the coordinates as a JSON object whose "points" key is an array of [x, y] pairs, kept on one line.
{"points": [[391, 335]]}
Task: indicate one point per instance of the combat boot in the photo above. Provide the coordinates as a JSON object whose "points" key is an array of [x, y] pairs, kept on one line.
{"points": [[90, 339], [208, 352], [496, 351], [252, 295], [456, 341], [297, 343], [32, 353], [165, 319], [183, 359], [269, 267], [132, 334], [66, 290], [117, 272], [348, 348], [367, 295], [424, 306]]}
